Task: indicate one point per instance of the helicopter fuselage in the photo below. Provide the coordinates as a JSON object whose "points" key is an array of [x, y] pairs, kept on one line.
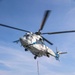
{"points": [[35, 44]]}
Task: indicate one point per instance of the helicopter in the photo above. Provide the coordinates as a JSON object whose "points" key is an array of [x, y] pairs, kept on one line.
{"points": [[34, 41]]}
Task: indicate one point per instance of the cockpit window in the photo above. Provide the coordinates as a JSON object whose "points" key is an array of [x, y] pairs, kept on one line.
{"points": [[24, 35], [40, 39], [27, 36]]}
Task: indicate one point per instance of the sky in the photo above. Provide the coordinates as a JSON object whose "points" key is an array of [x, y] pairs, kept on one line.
{"points": [[28, 15]]}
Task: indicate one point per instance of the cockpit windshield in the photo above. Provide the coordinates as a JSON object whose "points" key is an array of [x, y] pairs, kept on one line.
{"points": [[24, 35]]}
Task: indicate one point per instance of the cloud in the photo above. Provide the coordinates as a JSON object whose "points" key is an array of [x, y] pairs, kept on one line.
{"points": [[16, 60], [21, 62]]}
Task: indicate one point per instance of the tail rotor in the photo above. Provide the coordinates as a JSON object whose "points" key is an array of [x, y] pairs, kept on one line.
{"points": [[58, 54]]}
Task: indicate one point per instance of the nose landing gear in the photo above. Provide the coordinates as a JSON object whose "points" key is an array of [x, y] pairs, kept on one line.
{"points": [[35, 56]]}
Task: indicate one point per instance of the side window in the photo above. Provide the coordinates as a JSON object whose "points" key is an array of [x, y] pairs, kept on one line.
{"points": [[27, 36], [40, 41]]}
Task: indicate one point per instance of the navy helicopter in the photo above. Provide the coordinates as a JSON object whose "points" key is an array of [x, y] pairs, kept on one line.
{"points": [[34, 41]]}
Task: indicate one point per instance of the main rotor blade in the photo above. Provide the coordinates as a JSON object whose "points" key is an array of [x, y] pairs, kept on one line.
{"points": [[60, 32], [44, 20], [14, 28], [47, 41]]}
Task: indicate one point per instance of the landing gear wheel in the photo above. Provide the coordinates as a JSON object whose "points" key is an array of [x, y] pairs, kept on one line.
{"points": [[26, 49], [47, 55], [35, 56]]}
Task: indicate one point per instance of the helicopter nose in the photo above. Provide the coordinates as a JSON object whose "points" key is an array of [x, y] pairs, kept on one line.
{"points": [[21, 39]]}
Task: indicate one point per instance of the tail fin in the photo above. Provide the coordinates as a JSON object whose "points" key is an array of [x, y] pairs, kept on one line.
{"points": [[58, 54]]}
